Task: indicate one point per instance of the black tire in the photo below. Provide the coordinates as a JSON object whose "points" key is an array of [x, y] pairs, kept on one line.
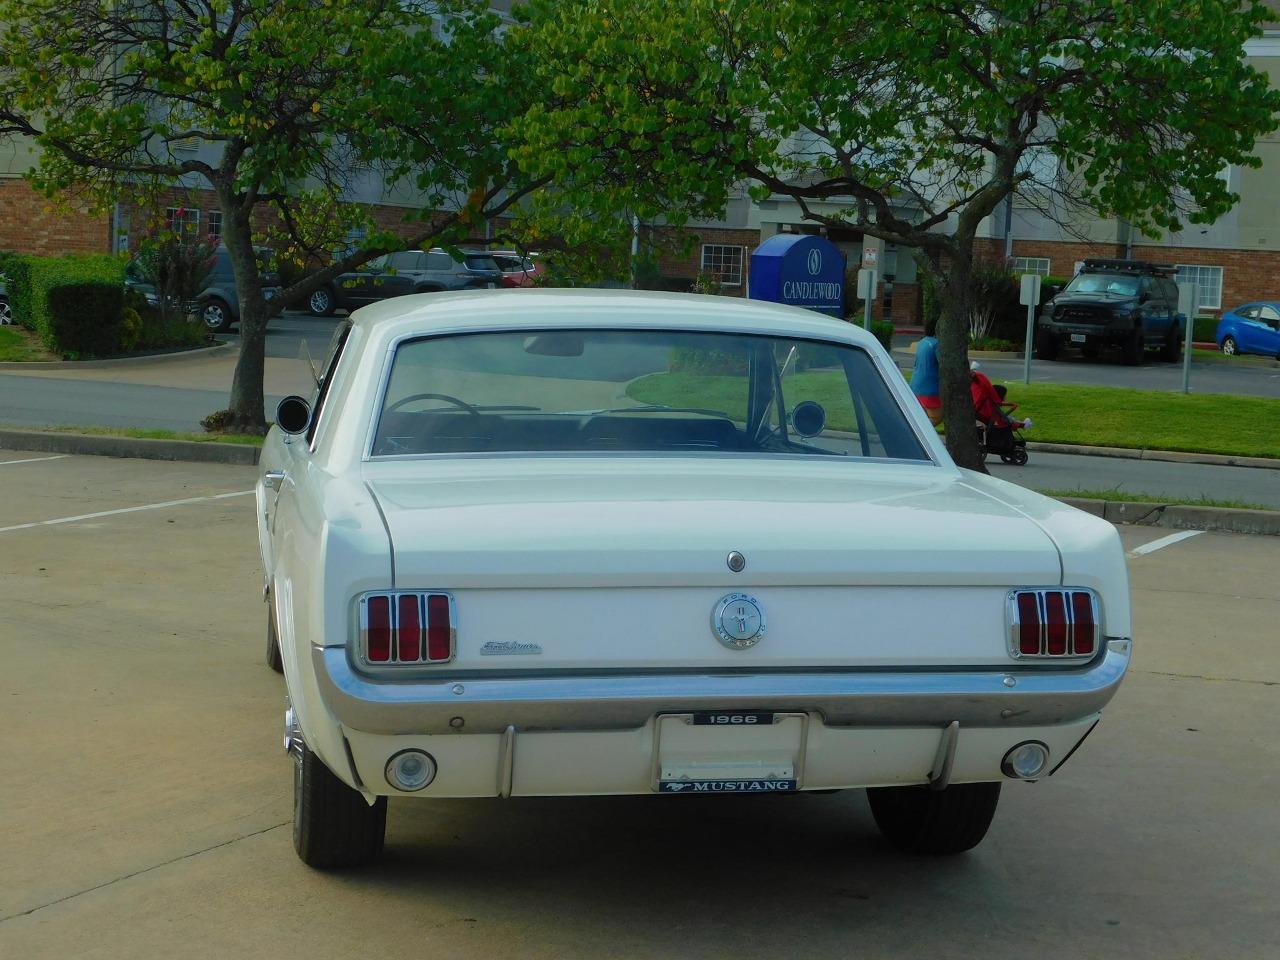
{"points": [[216, 315], [274, 660], [1171, 349], [1046, 346], [333, 826], [1133, 349], [1019, 457], [1229, 346], [322, 302], [934, 822]]}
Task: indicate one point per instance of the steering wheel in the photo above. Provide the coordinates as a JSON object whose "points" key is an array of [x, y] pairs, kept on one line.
{"points": [[413, 398]]}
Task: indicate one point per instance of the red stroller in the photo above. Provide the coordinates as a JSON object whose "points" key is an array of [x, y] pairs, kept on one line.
{"points": [[997, 431]]}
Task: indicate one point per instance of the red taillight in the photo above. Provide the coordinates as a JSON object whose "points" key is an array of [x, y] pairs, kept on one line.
{"points": [[1065, 620], [378, 631], [1028, 624], [1055, 615], [408, 628], [1082, 615], [439, 629]]}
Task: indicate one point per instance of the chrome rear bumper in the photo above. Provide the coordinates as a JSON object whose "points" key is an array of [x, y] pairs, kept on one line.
{"points": [[1019, 697]]}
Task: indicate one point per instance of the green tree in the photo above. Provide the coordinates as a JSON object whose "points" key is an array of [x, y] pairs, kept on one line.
{"points": [[288, 96], [910, 120]]}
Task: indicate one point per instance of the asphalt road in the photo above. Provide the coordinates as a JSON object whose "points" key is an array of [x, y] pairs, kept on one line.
{"points": [[146, 800]]}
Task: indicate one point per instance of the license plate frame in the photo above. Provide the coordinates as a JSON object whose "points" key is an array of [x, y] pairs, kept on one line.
{"points": [[704, 754]]}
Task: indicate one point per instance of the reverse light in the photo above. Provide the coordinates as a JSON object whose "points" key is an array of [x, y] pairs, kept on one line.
{"points": [[1026, 761], [1052, 624], [411, 770], [406, 627]]}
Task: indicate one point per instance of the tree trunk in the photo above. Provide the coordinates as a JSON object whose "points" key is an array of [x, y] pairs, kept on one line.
{"points": [[955, 296], [246, 408]]}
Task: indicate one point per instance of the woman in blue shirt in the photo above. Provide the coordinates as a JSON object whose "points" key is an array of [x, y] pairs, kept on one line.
{"points": [[924, 377]]}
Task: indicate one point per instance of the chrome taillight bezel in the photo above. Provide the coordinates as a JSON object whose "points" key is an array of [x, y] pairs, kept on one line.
{"points": [[1013, 623], [393, 599]]}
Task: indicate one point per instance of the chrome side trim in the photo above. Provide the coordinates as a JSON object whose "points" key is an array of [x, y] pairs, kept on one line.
{"points": [[613, 702], [506, 762], [940, 775]]}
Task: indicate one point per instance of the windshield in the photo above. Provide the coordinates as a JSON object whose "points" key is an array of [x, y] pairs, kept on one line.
{"points": [[1112, 284], [631, 391]]}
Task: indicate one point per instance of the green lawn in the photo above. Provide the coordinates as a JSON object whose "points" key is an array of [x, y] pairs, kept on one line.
{"points": [[1128, 496], [21, 346], [244, 439], [1096, 416]]}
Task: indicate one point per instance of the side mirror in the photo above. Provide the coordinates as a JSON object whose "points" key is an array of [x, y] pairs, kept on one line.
{"points": [[808, 418], [293, 415]]}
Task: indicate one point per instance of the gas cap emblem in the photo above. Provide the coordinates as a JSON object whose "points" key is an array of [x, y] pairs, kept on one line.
{"points": [[736, 561], [738, 621]]}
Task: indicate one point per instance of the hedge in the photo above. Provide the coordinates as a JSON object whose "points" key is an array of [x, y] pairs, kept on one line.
{"points": [[75, 303], [1205, 330]]}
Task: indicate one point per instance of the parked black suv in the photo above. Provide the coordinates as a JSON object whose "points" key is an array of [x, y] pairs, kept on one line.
{"points": [[410, 271], [1125, 303]]}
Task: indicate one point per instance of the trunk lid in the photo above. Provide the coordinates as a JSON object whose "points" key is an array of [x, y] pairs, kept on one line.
{"points": [[621, 562]]}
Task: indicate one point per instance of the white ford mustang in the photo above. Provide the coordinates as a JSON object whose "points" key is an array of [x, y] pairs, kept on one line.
{"points": [[529, 543]]}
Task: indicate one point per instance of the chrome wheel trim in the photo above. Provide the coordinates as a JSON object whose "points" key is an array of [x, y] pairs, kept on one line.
{"points": [[320, 301], [6, 313], [214, 316], [1229, 346]]}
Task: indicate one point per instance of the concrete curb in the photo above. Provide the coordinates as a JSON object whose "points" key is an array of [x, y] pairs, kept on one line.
{"points": [[222, 349], [1170, 456], [1181, 516], [109, 446]]}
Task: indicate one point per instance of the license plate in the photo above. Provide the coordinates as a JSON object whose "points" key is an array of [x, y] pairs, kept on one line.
{"points": [[732, 718], [1077, 338], [729, 751], [727, 786]]}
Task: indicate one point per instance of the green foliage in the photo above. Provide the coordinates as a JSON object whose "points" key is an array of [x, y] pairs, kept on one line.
{"points": [[882, 330], [17, 270], [1205, 330], [706, 283], [73, 303], [130, 329], [177, 265]]}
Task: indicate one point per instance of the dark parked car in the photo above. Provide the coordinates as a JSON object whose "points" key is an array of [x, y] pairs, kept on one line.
{"points": [[1253, 328], [217, 304], [410, 271], [1126, 303]]}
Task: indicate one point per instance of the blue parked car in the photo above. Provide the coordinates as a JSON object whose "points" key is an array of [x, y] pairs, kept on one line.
{"points": [[1252, 328]]}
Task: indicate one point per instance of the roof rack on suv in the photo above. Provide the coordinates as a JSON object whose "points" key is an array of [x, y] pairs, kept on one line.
{"points": [[1130, 266]]}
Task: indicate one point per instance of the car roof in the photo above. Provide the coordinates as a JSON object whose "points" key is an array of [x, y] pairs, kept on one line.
{"points": [[540, 308]]}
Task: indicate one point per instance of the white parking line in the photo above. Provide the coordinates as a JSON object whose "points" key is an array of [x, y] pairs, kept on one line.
{"points": [[1163, 542], [9, 463], [112, 513]]}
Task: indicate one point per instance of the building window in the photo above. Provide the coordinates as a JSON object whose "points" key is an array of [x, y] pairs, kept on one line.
{"points": [[1036, 265], [1208, 281], [215, 223], [724, 262], [182, 220]]}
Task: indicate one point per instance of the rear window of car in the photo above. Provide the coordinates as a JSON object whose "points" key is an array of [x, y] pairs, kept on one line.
{"points": [[629, 391], [481, 261]]}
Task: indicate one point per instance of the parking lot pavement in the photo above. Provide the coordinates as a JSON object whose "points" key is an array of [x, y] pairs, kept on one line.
{"points": [[145, 797]]}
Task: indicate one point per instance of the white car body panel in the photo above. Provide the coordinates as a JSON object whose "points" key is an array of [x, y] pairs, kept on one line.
{"points": [[878, 577]]}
